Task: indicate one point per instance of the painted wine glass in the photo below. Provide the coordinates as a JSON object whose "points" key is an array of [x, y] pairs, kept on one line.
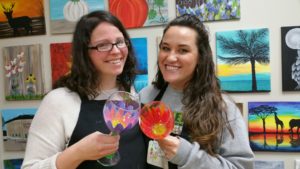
{"points": [[121, 112], [156, 120]]}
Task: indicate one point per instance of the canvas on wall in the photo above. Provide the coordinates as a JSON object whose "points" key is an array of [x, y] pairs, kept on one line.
{"points": [[65, 13], [243, 60], [274, 126], [60, 59], [290, 48], [23, 78], [209, 10], [15, 126], [140, 13], [13, 163], [22, 18], [141, 52], [261, 164]]}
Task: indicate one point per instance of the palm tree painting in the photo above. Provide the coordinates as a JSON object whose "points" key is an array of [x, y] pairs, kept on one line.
{"points": [[243, 60], [290, 48]]}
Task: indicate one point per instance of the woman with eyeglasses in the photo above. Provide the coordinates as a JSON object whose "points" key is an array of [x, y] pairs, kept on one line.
{"points": [[67, 131]]}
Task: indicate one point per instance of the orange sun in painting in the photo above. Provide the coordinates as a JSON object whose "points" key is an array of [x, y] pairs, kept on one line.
{"points": [[30, 8]]}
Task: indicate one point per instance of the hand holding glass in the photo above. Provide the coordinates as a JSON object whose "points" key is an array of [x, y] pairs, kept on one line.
{"points": [[121, 112]]}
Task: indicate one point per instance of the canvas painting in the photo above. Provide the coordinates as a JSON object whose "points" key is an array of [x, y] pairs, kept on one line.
{"points": [[60, 59], [22, 18], [243, 58], [13, 164], [15, 126], [23, 72], [140, 49], [274, 126], [260, 164], [209, 10], [65, 13], [140, 13], [297, 164], [290, 48]]}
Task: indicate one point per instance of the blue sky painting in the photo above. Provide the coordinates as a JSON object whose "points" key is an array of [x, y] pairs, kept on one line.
{"points": [[8, 114], [56, 7], [243, 60], [140, 49]]}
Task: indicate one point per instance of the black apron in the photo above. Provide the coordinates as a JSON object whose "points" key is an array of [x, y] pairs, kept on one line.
{"points": [[132, 146], [184, 133]]}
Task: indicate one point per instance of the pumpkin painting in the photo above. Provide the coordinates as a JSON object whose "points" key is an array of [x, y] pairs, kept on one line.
{"points": [[132, 13], [74, 9]]}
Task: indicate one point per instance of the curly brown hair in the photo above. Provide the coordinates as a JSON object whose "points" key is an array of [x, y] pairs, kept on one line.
{"points": [[204, 108]]}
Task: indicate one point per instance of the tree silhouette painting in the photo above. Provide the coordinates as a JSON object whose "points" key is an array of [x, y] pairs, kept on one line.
{"points": [[273, 126], [243, 60]]}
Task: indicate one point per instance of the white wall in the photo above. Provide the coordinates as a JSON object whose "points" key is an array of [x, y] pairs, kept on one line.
{"points": [[270, 14]]}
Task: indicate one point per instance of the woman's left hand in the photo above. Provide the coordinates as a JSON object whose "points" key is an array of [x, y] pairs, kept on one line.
{"points": [[169, 145]]}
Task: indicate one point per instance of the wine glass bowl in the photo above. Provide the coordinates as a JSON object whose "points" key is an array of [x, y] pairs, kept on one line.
{"points": [[120, 112], [156, 120]]}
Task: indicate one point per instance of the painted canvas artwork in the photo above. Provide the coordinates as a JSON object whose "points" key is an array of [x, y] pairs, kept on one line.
{"points": [[65, 13], [274, 126], [22, 18], [243, 60], [60, 59], [209, 10], [290, 48], [13, 163], [140, 13], [140, 49], [15, 126], [23, 72], [297, 164], [260, 164]]}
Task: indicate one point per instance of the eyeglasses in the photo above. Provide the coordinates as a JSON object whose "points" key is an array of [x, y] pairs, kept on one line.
{"points": [[106, 47]]}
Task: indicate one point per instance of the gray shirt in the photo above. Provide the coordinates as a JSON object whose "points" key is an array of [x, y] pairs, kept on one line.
{"points": [[233, 153]]}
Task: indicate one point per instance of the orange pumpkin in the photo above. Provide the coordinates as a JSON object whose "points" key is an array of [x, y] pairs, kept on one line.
{"points": [[132, 13]]}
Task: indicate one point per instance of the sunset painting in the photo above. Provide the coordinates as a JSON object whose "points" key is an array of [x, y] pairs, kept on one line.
{"points": [[21, 18], [243, 60], [274, 126]]}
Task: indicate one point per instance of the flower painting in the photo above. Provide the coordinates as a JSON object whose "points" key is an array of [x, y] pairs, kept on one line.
{"points": [[65, 13], [209, 10], [23, 72]]}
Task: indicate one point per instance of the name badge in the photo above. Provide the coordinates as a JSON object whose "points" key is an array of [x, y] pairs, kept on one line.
{"points": [[178, 123], [155, 155]]}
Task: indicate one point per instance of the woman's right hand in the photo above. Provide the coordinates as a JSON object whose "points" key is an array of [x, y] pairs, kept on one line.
{"points": [[91, 147], [97, 145]]}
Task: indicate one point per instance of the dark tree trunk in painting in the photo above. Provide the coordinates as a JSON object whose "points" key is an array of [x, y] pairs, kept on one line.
{"points": [[254, 84], [246, 46]]}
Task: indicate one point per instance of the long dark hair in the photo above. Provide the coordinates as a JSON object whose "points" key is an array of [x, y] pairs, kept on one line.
{"points": [[84, 78], [204, 109]]}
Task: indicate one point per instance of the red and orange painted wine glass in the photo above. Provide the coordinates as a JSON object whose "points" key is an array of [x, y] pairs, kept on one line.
{"points": [[156, 120]]}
